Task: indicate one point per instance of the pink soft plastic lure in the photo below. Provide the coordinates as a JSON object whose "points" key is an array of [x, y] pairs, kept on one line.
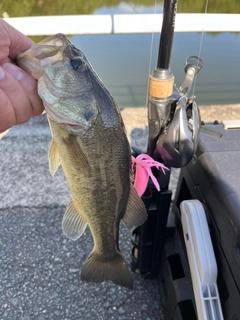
{"points": [[141, 165]]}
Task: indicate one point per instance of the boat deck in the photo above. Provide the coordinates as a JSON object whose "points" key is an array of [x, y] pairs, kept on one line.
{"points": [[39, 266]]}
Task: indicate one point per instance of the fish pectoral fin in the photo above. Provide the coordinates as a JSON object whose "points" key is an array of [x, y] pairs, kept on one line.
{"points": [[96, 269], [136, 213], [73, 224], [53, 158]]}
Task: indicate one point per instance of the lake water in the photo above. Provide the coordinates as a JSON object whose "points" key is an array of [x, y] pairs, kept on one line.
{"points": [[123, 61]]}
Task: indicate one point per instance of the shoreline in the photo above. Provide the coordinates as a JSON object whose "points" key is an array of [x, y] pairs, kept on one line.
{"points": [[137, 117]]}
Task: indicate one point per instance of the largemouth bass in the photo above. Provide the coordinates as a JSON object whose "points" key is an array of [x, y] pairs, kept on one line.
{"points": [[89, 141]]}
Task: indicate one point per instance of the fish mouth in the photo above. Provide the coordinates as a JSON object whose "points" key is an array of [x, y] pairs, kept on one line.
{"points": [[45, 52], [56, 40]]}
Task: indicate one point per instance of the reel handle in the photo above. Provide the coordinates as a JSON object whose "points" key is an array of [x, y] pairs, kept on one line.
{"points": [[193, 65]]}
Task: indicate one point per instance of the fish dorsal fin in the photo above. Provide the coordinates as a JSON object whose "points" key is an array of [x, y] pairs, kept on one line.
{"points": [[53, 158], [73, 224], [136, 213]]}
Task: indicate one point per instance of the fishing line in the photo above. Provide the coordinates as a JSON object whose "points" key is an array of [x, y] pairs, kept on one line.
{"points": [[200, 49], [151, 48], [143, 135]]}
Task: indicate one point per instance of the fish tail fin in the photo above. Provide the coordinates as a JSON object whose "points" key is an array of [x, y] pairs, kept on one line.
{"points": [[95, 269]]}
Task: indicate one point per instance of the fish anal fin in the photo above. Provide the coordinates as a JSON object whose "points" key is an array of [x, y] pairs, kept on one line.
{"points": [[73, 225], [136, 213], [53, 158], [95, 269]]}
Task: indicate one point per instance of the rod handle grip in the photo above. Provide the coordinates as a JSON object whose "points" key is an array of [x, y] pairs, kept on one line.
{"points": [[160, 88]]}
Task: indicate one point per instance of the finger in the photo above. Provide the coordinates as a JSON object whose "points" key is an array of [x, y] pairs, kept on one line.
{"points": [[7, 114], [18, 98], [29, 86], [12, 41]]}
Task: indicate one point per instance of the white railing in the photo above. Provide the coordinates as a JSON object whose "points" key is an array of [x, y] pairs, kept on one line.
{"points": [[124, 23]]}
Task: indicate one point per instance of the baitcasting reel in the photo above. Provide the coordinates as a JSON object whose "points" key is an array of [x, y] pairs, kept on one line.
{"points": [[174, 118]]}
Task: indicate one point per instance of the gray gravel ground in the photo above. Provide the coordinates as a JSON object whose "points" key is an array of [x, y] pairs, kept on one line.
{"points": [[39, 266]]}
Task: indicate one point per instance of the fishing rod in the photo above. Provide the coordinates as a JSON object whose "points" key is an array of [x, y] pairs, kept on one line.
{"points": [[166, 39], [174, 125], [173, 118]]}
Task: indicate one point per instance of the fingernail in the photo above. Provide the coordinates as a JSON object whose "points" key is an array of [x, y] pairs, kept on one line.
{"points": [[14, 71], [2, 73]]}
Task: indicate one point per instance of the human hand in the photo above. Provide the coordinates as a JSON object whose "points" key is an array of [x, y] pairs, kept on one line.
{"points": [[19, 100]]}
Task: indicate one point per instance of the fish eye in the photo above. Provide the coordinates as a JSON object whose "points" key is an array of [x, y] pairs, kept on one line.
{"points": [[76, 63]]}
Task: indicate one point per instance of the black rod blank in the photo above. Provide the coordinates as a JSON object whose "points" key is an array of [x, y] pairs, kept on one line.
{"points": [[166, 37]]}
